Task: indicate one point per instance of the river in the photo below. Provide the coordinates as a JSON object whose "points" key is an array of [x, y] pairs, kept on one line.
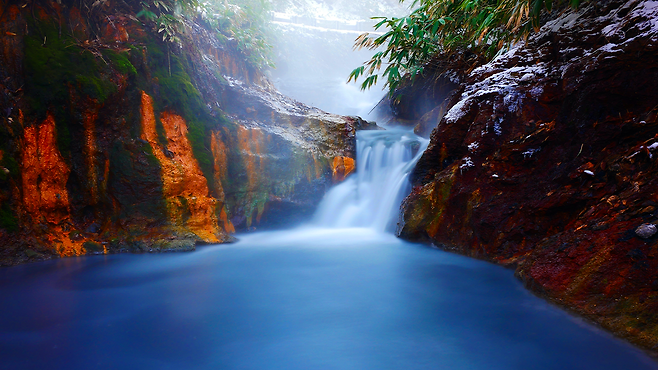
{"points": [[339, 293], [321, 296]]}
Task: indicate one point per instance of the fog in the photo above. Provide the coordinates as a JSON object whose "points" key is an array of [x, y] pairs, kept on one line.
{"points": [[314, 52]]}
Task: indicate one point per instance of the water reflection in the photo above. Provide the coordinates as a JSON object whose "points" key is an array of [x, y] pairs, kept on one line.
{"points": [[301, 299]]}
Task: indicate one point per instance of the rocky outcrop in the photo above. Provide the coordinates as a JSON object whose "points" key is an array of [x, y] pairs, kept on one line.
{"points": [[112, 140], [545, 162]]}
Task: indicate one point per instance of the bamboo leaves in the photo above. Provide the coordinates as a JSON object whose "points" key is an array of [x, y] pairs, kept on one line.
{"points": [[484, 27], [165, 19]]}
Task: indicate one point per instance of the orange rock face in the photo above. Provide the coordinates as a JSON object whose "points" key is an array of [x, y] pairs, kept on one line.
{"points": [[185, 188], [44, 174], [89, 151], [111, 193], [342, 167], [117, 32], [220, 162], [250, 142], [77, 21], [220, 167]]}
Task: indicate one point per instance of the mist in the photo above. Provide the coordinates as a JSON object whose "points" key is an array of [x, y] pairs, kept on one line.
{"points": [[313, 52]]}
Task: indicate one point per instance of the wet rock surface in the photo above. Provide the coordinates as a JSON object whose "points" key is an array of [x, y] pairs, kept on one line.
{"points": [[112, 140], [646, 231], [546, 162]]}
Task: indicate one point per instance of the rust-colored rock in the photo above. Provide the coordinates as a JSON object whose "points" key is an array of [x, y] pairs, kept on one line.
{"points": [[116, 30], [220, 161], [342, 167], [252, 158], [77, 22], [220, 171], [44, 174], [185, 187], [546, 162], [90, 150], [249, 143]]}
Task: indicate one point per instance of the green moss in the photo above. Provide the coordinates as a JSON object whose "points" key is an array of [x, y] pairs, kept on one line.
{"points": [[185, 209], [176, 91], [150, 156], [11, 164], [121, 62], [63, 133], [8, 162], [55, 66], [135, 179], [159, 129], [199, 137], [7, 218], [92, 246], [94, 87], [8, 143]]}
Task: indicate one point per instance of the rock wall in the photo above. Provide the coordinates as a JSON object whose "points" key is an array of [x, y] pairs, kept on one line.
{"points": [[544, 162], [112, 140]]}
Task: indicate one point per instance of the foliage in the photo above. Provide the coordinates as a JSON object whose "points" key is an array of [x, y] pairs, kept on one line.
{"points": [[242, 21], [484, 27], [168, 16], [245, 22]]}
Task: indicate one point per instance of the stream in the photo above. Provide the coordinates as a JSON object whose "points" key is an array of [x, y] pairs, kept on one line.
{"points": [[338, 293]]}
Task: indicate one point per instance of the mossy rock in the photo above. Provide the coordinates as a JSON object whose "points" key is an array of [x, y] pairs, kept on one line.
{"points": [[136, 183], [92, 247], [8, 218], [180, 245], [31, 254], [175, 90], [56, 67], [121, 61]]}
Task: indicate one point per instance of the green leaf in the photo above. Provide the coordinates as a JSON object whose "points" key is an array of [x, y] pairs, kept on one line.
{"points": [[483, 27], [354, 75]]}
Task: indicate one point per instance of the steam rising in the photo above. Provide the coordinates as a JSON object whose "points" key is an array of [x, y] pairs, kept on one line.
{"points": [[314, 55]]}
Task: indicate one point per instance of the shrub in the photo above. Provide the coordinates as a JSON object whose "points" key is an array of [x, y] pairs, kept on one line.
{"points": [[484, 27]]}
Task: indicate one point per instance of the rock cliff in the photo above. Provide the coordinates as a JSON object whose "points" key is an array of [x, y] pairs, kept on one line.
{"points": [[544, 162], [114, 140]]}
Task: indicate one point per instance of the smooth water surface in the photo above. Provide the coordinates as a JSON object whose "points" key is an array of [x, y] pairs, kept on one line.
{"points": [[303, 299]]}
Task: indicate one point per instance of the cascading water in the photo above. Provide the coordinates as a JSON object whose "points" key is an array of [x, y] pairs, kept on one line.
{"points": [[340, 293], [370, 198]]}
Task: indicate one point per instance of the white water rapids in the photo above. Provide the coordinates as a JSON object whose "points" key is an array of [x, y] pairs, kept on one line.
{"points": [[371, 197]]}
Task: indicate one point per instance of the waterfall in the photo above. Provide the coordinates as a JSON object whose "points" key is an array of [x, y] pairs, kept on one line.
{"points": [[371, 197]]}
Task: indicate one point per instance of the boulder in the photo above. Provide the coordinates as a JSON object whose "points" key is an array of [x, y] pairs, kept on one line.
{"points": [[545, 163]]}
